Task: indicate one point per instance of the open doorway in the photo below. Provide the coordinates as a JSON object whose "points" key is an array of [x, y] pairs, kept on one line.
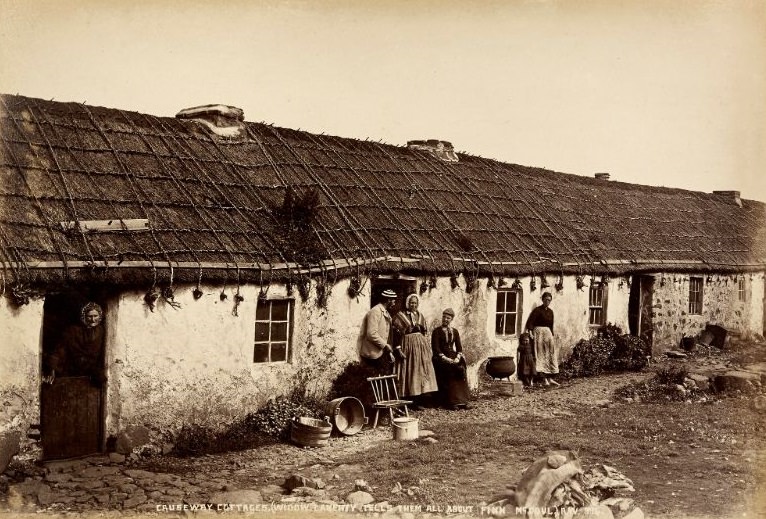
{"points": [[640, 308], [71, 405], [402, 285]]}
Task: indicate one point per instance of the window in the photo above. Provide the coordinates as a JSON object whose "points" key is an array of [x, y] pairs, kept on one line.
{"points": [[597, 304], [272, 330], [742, 289], [695, 295], [508, 313]]}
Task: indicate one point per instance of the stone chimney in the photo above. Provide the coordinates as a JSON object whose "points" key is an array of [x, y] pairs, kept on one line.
{"points": [[602, 176], [222, 120], [729, 196], [442, 150]]}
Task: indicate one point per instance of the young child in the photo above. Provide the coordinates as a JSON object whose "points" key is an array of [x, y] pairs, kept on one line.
{"points": [[525, 360]]}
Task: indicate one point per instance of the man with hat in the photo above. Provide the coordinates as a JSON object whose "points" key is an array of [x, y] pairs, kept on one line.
{"points": [[376, 350]]}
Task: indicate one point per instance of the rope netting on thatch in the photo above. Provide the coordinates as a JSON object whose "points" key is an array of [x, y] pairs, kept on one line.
{"points": [[225, 208]]}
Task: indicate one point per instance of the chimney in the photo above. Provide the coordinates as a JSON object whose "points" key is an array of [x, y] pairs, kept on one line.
{"points": [[222, 120], [730, 196], [442, 150], [602, 176]]}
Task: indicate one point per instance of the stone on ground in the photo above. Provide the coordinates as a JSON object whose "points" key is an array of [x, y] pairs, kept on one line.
{"points": [[359, 498], [245, 496]]}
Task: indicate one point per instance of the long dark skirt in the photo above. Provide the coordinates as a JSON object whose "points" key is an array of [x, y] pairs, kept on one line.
{"points": [[453, 385]]}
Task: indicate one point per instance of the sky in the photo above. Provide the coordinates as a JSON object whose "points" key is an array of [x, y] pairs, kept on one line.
{"points": [[664, 93]]}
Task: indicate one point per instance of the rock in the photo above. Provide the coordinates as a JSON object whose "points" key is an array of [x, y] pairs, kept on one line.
{"points": [[45, 495], [98, 472], [134, 501], [619, 505], [594, 512], [248, 496], [119, 496], [675, 354], [736, 380], [116, 457], [359, 498], [58, 478], [138, 474], [602, 403], [272, 492], [636, 513], [429, 439], [9, 447], [308, 492], [131, 437], [362, 485], [296, 480], [90, 485], [167, 448], [759, 403], [702, 381], [175, 492], [425, 433]]}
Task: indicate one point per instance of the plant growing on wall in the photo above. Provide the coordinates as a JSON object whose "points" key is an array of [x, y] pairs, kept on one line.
{"points": [[296, 236]]}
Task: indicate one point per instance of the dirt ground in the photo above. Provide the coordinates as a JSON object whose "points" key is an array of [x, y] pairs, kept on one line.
{"points": [[699, 458]]}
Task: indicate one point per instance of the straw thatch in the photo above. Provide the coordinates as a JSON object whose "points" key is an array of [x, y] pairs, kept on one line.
{"points": [[213, 206]]}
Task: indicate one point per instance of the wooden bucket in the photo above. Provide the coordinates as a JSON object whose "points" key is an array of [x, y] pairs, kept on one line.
{"points": [[405, 428], [310, 432]]}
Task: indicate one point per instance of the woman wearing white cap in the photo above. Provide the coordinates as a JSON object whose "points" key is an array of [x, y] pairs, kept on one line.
{"points": [[376, 350], [416, 368]]}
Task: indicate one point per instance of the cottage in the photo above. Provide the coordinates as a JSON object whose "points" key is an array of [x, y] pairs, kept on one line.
{"points": [[236, 260]]}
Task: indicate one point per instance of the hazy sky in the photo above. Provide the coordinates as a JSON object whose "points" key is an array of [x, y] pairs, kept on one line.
{"points": [[655, 92]]}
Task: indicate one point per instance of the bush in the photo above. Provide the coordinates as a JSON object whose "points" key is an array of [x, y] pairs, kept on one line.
{"points": [[352, 381], [194, 440], [671, 375], [274, 419], [608, 351]]}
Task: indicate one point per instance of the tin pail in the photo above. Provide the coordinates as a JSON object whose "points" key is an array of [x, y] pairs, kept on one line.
{"points": [[405, 428]]}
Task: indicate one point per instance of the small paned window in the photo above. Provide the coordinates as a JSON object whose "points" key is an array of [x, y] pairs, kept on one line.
{"points": [[508, 312], [742, 289], [695, 296], [272, 331], [597, 304]]}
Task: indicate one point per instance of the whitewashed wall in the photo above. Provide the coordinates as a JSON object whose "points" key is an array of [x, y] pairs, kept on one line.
{"points": [[195, 364], [20, 347]]}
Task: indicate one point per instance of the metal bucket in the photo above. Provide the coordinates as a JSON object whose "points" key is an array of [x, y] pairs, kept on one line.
{"points": [[310, 432], [405, 428], [347, 415]]}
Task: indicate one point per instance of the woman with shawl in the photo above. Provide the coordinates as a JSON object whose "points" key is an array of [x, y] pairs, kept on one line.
{"points": [[450, 364], [416, 370]]}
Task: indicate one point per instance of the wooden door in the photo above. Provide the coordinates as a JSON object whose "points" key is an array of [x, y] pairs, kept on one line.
{"points": [[640, 308], [70, 410]]}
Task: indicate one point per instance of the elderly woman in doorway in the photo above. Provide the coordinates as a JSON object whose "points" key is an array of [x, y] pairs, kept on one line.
{"points": [[417, 378], [540, 326], [450, 364], [80, 351]]}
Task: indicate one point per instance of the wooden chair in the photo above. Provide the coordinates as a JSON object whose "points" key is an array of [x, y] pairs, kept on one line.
{"points": [[386, 397]]}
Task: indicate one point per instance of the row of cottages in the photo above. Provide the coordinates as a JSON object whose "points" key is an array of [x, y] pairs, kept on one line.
{"points": [[236, 260]]}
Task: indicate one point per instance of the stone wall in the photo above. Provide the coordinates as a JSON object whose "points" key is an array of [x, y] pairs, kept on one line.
{"points": [[720, 305]]}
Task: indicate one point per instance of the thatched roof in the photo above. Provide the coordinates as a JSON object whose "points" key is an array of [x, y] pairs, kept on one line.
{"points": [[213, 205]]}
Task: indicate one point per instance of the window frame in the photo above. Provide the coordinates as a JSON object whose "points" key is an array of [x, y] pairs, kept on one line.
{"points": [[696, 297], [504, 313], [743, 295], [271, 342], [603, 291]]}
